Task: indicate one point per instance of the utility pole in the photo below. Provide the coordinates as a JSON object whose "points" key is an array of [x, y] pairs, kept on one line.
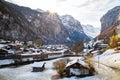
{"points": [[98, 61]]}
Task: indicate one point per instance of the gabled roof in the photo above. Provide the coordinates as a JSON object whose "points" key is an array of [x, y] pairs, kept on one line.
{"points": [[38, 64], [77, 61]]}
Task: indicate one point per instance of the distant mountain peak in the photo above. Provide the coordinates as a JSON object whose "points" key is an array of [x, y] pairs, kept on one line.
{"points": [[74, 28], [32, 24], [70, 21], [91, 30], [40, 10]]}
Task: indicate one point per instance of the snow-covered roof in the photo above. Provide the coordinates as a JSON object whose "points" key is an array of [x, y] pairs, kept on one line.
{"points": [[7, 61], [94, 52], [60, 51], [34, 49], [103, 45], [98, 41], [77, 61], [28, 54], [2, 45], [38, 64], [11, 51]]}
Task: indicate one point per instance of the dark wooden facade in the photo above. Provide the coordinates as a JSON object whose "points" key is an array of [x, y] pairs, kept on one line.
{"points": [[84, 71], [4, 54]]}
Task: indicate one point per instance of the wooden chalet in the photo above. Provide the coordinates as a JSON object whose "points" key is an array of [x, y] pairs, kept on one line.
{"points": [[38, 66], [68, 52], [77, 68], [4, 54], [118, 44]]}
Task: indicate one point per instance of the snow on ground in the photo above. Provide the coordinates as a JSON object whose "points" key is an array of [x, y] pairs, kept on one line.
{"points": [[104, 65], [25, 72], [108, 52], [112, 60], [4, 62], [97, 77], [105, 54], [2, 45], [109, 58], [108, 64], [105, 72]]}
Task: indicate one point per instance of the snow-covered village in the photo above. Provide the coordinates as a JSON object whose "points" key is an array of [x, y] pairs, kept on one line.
{"points": [[28, 61], [59, 40]]}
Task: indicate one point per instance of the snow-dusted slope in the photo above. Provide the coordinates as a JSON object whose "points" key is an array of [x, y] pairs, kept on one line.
{"points": [[70, 23], [74, 28], [107, 65], [110, 58], [91, 31]]}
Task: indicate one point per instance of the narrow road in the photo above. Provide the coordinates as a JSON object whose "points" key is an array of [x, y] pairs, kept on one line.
{"points": [[106, 72]]}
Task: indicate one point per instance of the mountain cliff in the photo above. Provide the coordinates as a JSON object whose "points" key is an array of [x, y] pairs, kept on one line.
{"points": [[28, 24], [13, 25], [110, 23], [74, 29], [109, 18]]}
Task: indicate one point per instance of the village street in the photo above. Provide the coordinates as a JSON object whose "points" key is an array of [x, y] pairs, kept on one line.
{"points": [[105, 72]]}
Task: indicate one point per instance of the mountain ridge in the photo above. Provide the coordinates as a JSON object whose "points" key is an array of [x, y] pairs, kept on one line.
{"points": [[45, 25], [110, 23], [91, 31]]}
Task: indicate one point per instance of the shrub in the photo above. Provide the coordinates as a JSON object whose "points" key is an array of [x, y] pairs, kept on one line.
{"points": [[60, 65], [38, 42], [77, 47], [113, 41]]}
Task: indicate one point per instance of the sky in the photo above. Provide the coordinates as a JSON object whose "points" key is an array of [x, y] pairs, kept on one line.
{"points": [[86, 11]]}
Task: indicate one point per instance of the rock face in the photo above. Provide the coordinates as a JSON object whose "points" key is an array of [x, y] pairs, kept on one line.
{"points": [[32, 24], [13, 25], [118, 25], [110, 23], [46, 25], [90, 30], [74, 29], [110, 18]]}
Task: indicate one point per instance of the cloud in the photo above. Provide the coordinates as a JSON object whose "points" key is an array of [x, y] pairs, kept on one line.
{"points": [[86, 11], [61, 0]]}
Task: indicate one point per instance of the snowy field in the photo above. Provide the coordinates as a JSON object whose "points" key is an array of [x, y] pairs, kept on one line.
{"points": [[7, 61], [25, 72], [108, 64]]}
